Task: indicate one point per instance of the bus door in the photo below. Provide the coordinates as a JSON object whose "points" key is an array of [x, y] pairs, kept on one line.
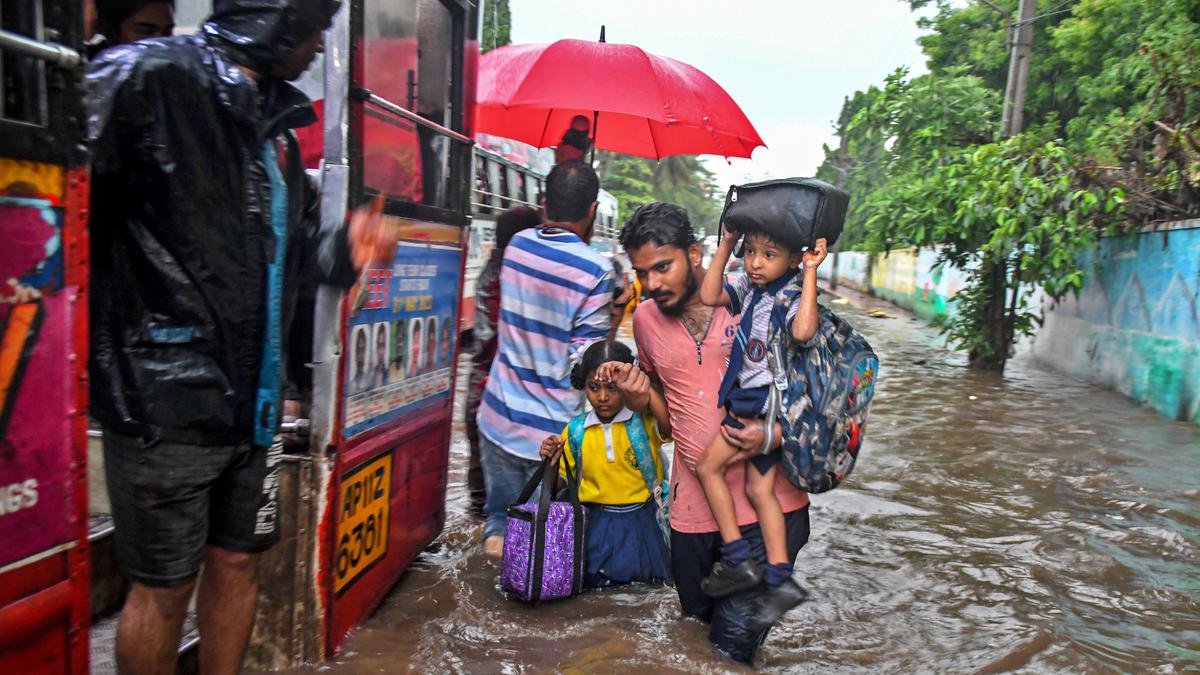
{"points": [[43, 340], [368, 494], [392, 396]]}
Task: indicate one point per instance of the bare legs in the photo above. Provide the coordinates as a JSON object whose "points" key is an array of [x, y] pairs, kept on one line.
{"points": [[152, 618], [760, 489]]}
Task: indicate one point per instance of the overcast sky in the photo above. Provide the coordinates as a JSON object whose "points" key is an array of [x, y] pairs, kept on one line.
{"points": [[788, 63]]}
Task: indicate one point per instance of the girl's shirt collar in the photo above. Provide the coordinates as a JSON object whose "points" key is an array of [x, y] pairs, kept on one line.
{"points": [[592, 420]]}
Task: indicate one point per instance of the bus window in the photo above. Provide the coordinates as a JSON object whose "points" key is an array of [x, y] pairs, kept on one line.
{"points": [[495, 176], [24, 77], [530, 195], [518, 186], [503, 188], [483, 185], [409, 63]]}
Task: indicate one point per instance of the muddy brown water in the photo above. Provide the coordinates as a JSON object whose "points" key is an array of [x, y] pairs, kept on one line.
{"points": [[1028, 522]]}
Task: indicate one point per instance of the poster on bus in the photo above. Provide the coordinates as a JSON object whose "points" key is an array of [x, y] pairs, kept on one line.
{"points": [[401, 337], [36, 410]]}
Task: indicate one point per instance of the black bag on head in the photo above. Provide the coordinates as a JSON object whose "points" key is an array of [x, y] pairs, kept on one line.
{"points": [[796, 212]]}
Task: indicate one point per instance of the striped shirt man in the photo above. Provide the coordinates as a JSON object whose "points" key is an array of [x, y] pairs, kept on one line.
{"points": [[554, 302]]}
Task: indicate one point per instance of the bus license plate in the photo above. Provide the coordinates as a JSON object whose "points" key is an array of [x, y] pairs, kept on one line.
{"points": [[363, 520]]}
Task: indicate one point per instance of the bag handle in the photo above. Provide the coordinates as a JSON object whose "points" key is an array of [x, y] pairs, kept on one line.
{"points": [[545, 476], [548, 476]]}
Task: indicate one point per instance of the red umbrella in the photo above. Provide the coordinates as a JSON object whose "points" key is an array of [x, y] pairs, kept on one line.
{"points": [[648, 105]]}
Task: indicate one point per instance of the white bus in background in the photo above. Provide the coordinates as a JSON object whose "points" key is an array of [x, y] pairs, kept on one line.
{"points": [[501, 184]]}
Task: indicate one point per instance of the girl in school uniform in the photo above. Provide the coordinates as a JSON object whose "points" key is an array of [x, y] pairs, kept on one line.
{"points": [[615, 453]]}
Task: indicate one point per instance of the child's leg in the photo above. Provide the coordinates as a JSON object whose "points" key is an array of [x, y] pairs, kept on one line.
{"points": [[711, 472], [760, 489]]}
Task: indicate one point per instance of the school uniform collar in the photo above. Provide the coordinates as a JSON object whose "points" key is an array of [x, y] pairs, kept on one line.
{"points": [[592, 420]]}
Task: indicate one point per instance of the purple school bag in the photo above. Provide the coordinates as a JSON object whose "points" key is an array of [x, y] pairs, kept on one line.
{"points": [[544, 541]]}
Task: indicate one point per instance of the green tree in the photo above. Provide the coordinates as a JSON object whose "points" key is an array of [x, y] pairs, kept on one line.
{"points": [[630, 179], [1013, 214], [497, 25], [1112, 136], [680, 179]]}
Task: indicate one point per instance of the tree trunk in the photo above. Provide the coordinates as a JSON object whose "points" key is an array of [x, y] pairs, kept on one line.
{"points": [[997, 327]]}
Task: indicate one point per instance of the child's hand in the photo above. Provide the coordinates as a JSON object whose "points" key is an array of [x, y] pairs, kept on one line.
{"points": [[633, 384], [817, 255], [552, 448], [729, 237], [610, 371]]}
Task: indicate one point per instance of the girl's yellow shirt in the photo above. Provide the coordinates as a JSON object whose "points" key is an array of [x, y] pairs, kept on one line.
{"points": [[610, 471]]}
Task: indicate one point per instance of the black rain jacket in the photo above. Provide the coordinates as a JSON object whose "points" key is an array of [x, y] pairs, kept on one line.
{"points": [[180, 221]]}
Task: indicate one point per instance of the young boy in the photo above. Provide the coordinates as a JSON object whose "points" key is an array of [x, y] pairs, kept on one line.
{"points": [[769, 266]]}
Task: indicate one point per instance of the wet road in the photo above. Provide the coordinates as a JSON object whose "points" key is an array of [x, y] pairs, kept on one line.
{"points": [[1029, 522]]}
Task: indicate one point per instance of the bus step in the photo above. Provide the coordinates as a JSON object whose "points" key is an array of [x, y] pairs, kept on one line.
{"points": [[104, 642], [108, 584]]}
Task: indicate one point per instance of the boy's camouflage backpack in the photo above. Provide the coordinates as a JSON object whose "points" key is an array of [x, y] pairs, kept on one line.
{"points": [[822, 392]]}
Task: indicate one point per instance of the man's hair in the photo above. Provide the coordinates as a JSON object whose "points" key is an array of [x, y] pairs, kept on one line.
{"points": [[571, 188], [576, 135], [659, 222], [112, 13]]}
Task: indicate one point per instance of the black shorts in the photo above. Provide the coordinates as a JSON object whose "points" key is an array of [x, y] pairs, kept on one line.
{"points": [[692, 558], [761, 462], [169, 500]]}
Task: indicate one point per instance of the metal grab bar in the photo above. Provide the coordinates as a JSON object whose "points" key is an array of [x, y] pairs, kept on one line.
{"points": [[56, 54], [500, 196], [384, 104]]}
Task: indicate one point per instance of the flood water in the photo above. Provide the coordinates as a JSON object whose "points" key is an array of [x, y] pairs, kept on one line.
{"points": [[1029, 522]]}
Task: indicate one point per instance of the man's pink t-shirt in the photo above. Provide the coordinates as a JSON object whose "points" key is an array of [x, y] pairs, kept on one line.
{"points": [[691, 386]]}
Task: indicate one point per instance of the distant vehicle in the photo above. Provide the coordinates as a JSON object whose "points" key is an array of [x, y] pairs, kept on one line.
{"points": [[502, 183]]}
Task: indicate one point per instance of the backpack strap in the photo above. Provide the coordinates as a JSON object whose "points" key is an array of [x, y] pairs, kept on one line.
{"points": [[639, 438], [575, 431], [779, 336]]}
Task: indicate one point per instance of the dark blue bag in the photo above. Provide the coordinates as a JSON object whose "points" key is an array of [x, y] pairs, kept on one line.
{"points": [[822, 393]]}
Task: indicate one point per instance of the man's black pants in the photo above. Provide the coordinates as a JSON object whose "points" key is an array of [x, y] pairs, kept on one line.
{"points": [[692, 558]]}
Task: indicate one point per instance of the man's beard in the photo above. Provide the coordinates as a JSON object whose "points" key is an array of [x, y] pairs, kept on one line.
{"points": [[690, 288]]}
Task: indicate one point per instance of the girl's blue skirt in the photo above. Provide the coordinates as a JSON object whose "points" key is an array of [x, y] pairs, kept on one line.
{"points": [[625, 545]]}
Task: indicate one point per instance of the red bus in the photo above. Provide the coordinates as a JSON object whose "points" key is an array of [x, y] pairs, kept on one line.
{"points": [[366, 492]]}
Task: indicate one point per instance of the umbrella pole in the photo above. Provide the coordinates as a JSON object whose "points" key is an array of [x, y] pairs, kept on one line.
{"points": [[596, 117], [595, 128]]}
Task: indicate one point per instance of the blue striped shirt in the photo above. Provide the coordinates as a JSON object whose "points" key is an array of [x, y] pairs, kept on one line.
{"points": [[555, 294]]}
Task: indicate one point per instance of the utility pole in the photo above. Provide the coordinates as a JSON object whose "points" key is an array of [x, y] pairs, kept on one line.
{"points": [[1013, 118], [998, 319], [842, 169]]}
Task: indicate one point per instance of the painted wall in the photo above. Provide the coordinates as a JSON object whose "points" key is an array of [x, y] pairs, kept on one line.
{"points": [[907, 277], [1135, 326]]}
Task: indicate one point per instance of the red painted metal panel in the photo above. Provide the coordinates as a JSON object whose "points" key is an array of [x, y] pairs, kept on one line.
{"points": [[46, 652], [43, 399], [419, 452]]}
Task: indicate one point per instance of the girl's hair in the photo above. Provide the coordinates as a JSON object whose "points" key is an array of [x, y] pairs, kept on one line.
{"points": [[598, 353]]}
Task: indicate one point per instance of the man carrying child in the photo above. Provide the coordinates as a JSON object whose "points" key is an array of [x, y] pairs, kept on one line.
{"points": [[684, 345]]}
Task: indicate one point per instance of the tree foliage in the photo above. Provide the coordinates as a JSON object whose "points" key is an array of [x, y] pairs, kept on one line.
{"points": [[680, 179], [1112, 111], [497, 25]]}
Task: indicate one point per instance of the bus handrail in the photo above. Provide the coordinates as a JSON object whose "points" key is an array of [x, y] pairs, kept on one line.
{"points": [[56, 54], [500, 196], [380, 102]]}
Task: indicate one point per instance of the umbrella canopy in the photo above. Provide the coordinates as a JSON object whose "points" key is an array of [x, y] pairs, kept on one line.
{"points": [[648, 105]]}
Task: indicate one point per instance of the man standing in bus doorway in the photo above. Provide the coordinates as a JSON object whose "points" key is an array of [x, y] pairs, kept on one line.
{"points": [[203, 224], [555, 300]]}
